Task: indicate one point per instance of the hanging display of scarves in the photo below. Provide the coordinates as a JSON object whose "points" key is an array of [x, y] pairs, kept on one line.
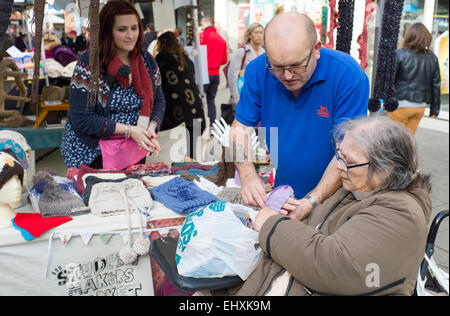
{"points": [[345, 28], [362, 38], [333, 23], [387, 52]]}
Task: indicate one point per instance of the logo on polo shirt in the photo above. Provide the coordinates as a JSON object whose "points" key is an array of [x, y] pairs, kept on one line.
{"points": [[323, 111]]}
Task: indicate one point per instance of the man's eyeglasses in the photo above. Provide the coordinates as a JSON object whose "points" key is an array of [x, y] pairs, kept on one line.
{"points": [[294, 70], [346, 167]]}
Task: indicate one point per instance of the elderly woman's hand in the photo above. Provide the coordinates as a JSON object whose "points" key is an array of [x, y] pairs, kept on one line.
{"points": [[262, 216], [296, 209]]}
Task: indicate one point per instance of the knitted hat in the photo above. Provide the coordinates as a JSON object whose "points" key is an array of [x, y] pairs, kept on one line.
{"points": [[6, 143], [9, 166], [182, 196], [55, 201]]}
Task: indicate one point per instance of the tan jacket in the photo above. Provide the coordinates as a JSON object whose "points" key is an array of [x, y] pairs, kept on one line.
{"points": [[369, 246]]}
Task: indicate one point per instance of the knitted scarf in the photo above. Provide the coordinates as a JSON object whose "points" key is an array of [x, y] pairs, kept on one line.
{"points": [[387, 51], [334, 15], [362, 38], [140, 79], [345, 28]]}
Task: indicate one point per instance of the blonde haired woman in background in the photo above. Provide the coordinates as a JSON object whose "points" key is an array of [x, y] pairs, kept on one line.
{"points": [[253, 42]]}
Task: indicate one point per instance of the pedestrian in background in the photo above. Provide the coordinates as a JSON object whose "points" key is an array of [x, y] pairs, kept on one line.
{"points": [[182, 97], [81, 41], [253, 47], [217, 56], [418, 78], [149, 35]]}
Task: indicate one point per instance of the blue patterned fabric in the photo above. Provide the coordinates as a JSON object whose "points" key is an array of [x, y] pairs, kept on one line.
{"points": [[182, 196], [125, 105]]}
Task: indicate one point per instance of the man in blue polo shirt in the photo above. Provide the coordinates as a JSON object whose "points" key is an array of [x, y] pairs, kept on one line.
{"points": [[303, 91]]}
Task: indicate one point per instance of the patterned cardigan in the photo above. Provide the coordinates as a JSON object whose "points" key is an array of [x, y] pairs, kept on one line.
{"points": [[91, 123]]}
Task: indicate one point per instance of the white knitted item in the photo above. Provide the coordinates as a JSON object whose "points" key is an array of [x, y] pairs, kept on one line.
{"points": [[141, 246], [151, 182], [208, 186], [127, 255], [105, 199]]}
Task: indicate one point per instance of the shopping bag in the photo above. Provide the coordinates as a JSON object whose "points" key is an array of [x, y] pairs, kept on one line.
{"points": [[119, 152], [216, 241]]}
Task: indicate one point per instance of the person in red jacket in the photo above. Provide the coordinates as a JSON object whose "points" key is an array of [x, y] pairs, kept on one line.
{"points": [[216, 48]]}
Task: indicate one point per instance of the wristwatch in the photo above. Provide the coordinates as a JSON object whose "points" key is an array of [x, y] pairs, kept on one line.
{"points": [[127, 131], [311, 199]]}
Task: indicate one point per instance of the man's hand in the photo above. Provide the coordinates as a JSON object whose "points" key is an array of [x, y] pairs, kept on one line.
{"points": [[253, 190], [296, 209], [242, 142], [262, 217]]}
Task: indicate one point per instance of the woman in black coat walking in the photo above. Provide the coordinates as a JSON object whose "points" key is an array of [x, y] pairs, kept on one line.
{"points": [[183, 102], [418, 78]]}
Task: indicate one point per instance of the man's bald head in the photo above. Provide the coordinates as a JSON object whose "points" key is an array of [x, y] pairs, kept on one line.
{"points": [[290, 28]]}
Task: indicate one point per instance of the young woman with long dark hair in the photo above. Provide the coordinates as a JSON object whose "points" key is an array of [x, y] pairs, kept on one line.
{"points": [[130, 101]]}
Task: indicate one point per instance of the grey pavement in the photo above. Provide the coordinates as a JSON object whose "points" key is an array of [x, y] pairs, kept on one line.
{"points": [[433, 144]]}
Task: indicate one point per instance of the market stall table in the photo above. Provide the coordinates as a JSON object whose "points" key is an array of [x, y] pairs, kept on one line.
{"points": [[85, 264]]}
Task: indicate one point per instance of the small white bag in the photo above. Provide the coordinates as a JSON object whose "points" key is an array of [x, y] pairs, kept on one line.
{"points": [[214, 242]]}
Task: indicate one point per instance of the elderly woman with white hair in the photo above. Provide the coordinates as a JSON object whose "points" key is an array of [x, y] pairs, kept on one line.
{"points": [[368, 238], [252, 48]]}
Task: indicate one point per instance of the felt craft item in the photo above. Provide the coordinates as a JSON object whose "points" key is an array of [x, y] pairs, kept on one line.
{"points": [[9, 167], [55, 201], [279, 196], [33, 225], [140, 79], [182, 196], [106, 200]]}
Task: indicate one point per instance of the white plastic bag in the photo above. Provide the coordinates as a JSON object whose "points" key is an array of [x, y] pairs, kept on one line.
{"points": [[214, 242]]}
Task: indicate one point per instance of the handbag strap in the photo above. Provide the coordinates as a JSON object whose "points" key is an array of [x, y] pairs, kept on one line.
{"points": [[243, 58]]}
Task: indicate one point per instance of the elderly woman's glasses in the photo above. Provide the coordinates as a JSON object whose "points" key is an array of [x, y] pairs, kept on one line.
{"points": [[294, 70], [346, 167]]}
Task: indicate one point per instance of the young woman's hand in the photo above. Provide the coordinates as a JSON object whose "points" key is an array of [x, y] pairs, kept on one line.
{"points": [[140, 136], [153, 136]]}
